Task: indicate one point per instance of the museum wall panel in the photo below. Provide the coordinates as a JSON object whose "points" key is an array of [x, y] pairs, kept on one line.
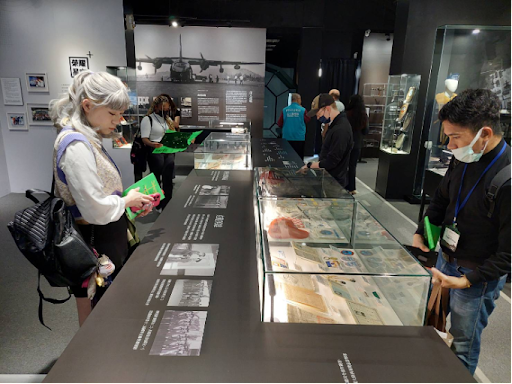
{"points": [[40, 37], [5, 187]]}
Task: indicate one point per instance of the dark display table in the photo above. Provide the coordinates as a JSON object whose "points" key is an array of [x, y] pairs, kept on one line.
{"points": [[114, 343]]}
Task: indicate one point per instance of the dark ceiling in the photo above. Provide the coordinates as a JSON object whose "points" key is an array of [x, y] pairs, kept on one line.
{"points": [[284, 20], [339, 14]]}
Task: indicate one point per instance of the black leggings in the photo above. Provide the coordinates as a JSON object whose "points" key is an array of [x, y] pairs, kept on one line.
{"points": [[111, 240], [352, 164], [162, 165]]}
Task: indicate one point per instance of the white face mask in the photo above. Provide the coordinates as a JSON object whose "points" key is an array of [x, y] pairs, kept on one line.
{"points": [[466, 154]]}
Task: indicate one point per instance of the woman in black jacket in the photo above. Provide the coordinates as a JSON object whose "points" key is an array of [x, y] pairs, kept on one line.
{"points": [[356, 114]]}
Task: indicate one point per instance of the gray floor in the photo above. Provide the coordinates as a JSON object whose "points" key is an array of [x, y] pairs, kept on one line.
{"points": [[28, 349]]}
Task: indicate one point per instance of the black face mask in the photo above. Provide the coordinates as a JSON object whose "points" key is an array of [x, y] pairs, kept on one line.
{"points": [[166, 113]]}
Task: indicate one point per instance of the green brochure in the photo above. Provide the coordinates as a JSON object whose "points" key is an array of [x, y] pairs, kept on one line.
{"points": [[433, 233], [176, 141], [148, 186]]}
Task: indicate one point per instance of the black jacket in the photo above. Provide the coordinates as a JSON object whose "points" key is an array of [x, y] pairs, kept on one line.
{"points": [[336, 148], [483, 240]]}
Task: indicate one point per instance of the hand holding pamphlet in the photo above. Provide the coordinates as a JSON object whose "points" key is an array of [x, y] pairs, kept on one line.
{"points": [[148, 186]]}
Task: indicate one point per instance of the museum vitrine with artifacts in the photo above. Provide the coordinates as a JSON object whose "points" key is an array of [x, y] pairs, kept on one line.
{"points": [[230, 126], [129, 124], [323, 258], [465, 57], [221, 150], [399, 113], [374, 95]]}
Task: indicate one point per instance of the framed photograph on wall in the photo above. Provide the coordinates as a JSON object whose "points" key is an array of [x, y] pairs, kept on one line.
{"points": [[37, 82], [11, 89], [17, 121], [38, 114], [77, 65]]}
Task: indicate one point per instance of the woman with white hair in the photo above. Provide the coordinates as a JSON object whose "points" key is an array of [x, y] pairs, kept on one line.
{"points": [[86, 177]]}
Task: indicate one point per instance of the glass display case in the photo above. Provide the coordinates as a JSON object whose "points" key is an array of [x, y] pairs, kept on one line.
{"points": [[399, 113], [323, 258], [374, 95], [231, 126], [222, 150], [131, 118], [465, 57]]}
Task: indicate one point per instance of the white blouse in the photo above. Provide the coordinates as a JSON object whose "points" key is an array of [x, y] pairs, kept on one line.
{"points": [[156, 132], [79, 166]]}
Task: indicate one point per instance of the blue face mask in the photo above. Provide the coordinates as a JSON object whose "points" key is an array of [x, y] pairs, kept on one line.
{"points": [[324, 120]]}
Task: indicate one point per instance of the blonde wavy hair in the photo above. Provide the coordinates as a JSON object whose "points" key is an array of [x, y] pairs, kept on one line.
{"points": [[102, 88]]}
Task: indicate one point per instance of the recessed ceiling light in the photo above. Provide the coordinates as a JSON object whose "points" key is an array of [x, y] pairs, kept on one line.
{"points": [[175, 24], [476, 31]]}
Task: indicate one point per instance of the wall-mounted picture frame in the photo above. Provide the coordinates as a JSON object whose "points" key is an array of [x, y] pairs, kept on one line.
{"points": [[37, 82], [17, 121], [38, 114], [11, 90], [77, 65]]}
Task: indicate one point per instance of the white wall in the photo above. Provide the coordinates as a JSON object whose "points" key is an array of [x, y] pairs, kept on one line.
{"points": [[5, 187], [376, 59], [39, 36]]}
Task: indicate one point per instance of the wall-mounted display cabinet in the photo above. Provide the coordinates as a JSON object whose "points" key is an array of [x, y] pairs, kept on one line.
{"points": [[399, 113]]}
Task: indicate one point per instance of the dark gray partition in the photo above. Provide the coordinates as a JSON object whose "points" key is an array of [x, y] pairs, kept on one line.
{"points": [[237, 346]]}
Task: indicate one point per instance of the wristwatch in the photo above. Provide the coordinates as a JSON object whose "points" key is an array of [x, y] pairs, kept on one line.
{"points": [[309, 164]]}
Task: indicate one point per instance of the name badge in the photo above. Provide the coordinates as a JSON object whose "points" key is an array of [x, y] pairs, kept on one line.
{"points": [[451, 238]]}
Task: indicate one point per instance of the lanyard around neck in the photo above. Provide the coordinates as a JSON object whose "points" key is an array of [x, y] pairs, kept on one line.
{"points": [[458, 206]]}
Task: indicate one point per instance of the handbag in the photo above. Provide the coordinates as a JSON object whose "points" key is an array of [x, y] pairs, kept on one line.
{"points": [[46, 235], [437, 307]]}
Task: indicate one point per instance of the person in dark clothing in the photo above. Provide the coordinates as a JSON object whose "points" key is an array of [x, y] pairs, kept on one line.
{"points": [[338, 141], [153, 127], [474, 258], [356, 115]]}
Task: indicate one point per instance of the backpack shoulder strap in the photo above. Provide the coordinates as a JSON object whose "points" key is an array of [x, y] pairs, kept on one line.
{"points": [[49, 300], [150, 121], [66, 140], [497, 182]]}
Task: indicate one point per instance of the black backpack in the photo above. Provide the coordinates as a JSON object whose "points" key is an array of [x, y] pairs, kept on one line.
{"points": [[502, 177], [139, 152], [45, 234]]}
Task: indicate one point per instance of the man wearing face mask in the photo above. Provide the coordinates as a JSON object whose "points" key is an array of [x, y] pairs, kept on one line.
{"points": [[474, 258], [338, 141]]}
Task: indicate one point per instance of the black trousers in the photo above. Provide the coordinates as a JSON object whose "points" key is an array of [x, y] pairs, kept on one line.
{"points": [[162, 165], [352, 164], [298, 146], [111, 240]]}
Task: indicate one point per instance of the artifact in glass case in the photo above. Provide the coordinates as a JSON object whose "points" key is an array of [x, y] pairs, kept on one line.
{"points": [[129, 124], [465, 57], [399, 113], [324, 259], [231, 126], [226, 151]]}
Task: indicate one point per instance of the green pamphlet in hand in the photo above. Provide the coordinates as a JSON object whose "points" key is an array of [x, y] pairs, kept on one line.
{"points": [[433, 233], [148, 186], [176, 141]]}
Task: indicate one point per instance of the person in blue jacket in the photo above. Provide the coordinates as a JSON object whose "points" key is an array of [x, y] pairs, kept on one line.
{"points": [[293, 121]]}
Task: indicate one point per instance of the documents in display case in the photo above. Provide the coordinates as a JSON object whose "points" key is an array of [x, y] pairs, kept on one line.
{"points": [[224, 151], [323, 258], [399, 113]]}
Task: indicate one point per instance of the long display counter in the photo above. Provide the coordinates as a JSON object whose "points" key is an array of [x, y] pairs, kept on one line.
{"points": [[127, 339]]}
